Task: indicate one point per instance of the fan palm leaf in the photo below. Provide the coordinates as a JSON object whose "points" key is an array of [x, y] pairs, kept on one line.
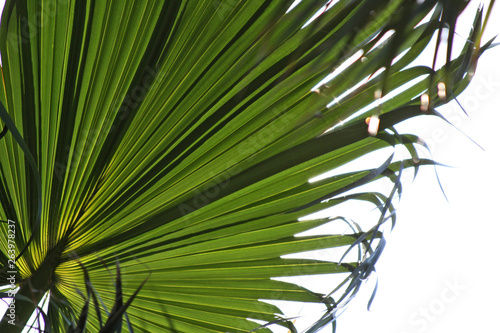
{"points": [[180, 137]]}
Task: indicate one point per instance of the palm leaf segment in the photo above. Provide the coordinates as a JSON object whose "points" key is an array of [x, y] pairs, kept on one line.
{"points": [[180, 137]]}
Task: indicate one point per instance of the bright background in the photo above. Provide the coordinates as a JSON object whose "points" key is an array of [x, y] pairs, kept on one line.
{"points": [[438, 272]]}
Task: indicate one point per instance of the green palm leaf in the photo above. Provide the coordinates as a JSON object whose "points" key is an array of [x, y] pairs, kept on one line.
{"points": [[181, 136]]}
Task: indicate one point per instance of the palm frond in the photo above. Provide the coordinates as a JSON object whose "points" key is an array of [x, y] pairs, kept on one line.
{"points": [[184, 135]]}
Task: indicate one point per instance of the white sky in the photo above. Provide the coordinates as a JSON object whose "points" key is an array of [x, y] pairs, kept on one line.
{"points": [[438, 271]]}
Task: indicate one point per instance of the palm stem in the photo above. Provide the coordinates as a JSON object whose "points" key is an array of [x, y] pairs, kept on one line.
{"points": [[31, 292]]}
